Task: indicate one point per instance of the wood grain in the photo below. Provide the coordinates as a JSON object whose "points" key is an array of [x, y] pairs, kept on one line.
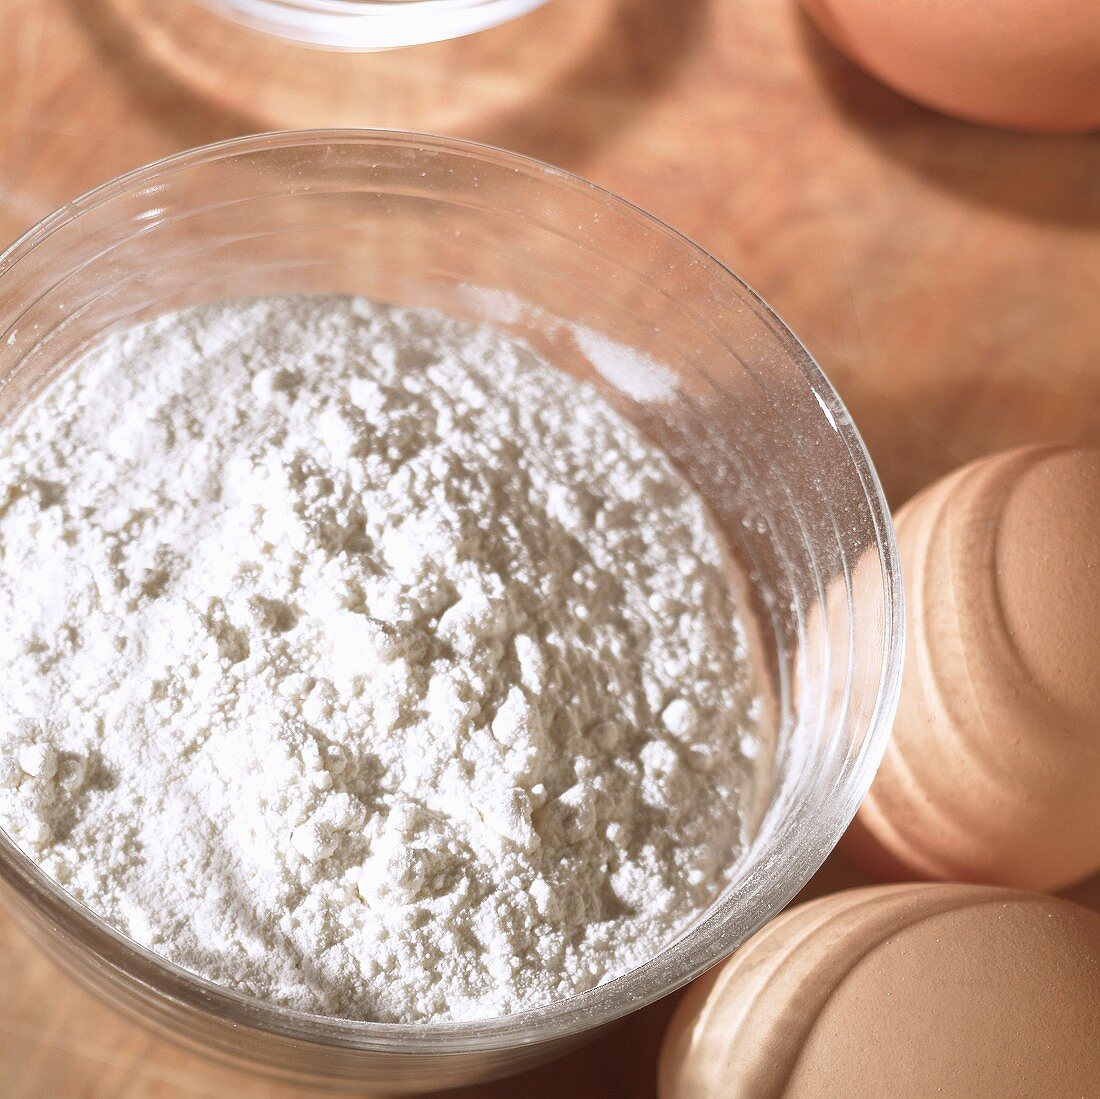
{"points": [[945, 275]]}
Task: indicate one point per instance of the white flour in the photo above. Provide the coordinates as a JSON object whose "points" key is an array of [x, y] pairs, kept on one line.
{"points": [[356, 659]]}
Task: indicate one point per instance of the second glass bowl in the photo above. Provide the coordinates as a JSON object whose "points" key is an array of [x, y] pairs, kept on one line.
{"points": [[370, 24]]}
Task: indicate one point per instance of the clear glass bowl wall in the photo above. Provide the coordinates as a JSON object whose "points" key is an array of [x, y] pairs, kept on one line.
{"points": [[495, 237], [370, 24]]}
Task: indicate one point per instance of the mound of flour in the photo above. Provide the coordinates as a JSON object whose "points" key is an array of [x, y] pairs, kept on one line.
{"points": [[356, 659]]}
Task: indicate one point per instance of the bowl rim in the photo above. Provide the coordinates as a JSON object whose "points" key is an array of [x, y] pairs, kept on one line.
{"points": [[380, 8], [365, 25], [710, 940]]}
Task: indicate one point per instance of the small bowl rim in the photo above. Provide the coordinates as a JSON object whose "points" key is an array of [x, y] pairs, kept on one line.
{"points": [[366, 25], [708, 941]]}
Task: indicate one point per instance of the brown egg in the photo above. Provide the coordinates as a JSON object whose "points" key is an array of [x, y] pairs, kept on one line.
{"points": [[1024, 64], [963, 991], [993, 771]]}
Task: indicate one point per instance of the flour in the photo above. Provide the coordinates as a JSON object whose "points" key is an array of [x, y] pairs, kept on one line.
{"points": [[358, 660]]}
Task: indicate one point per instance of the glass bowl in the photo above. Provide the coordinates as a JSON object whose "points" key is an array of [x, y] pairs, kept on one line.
{"points": [[675, 341], [370, 24]]}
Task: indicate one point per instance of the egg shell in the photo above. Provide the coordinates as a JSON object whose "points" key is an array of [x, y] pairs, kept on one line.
{"points": [[992, 773], [898, 990], [1024, 64]]}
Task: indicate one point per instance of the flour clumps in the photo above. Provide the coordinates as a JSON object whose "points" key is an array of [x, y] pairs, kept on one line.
{"points": [[358, 660]]}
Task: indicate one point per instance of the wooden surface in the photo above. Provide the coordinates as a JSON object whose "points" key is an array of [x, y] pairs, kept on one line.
{"points": [[946, 276]]}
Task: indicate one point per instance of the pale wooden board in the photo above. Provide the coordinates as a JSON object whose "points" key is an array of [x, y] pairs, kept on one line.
{"points": [[946, 276]]}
